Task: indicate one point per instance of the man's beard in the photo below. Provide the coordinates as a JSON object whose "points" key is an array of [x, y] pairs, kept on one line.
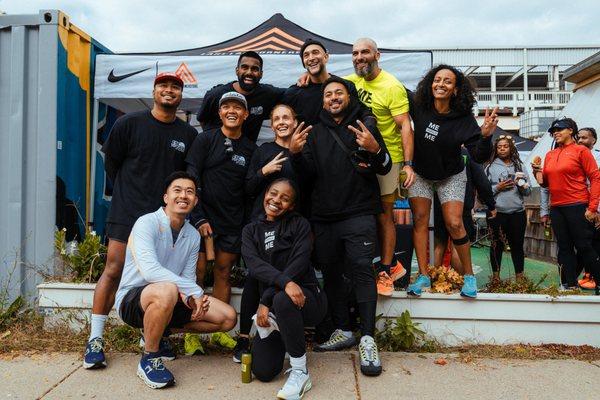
{"points": [[245, 86], [366, 71], [321, 67]]}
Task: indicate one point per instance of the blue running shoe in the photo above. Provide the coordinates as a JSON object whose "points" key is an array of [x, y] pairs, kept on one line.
{"points": [[167, 353], [415, 289], [93, 357], [469, 288], [153, 372]]}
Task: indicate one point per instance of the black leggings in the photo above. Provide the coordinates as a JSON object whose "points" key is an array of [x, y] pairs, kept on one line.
{"points": [[249, 304], [508, 228], [574, 232], [268, 353]]}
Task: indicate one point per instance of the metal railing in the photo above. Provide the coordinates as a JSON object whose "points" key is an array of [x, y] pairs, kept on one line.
{"points": [[536, 99]]}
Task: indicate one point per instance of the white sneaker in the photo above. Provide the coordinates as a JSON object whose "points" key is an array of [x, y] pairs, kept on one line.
{"points": [[370, 364], [297, 384]]}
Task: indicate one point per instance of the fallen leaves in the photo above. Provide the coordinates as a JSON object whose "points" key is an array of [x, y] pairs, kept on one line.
{"points": [[441, 361], [444, 280]]}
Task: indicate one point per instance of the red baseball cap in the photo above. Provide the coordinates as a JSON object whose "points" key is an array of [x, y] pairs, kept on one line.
{"points": [[168, 76]]}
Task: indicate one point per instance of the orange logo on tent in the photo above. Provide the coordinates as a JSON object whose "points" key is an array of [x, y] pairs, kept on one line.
{"points": [[186, 74], [274, 39]]}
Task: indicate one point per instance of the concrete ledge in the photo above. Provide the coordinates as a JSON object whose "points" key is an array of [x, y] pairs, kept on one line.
{"points": [[452, 320]]}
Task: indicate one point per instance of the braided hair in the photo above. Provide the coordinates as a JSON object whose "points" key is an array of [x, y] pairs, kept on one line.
{"points": [[513, 153]]}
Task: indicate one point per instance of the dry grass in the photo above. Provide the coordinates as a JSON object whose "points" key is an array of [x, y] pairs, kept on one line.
{"points": [[550, 351], [26, 336]]}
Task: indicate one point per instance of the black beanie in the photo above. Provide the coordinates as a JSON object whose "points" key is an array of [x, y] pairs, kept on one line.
{"points": [[307, 43]]}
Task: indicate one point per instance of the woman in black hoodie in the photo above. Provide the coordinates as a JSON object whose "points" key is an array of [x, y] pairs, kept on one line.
{"points": [[277, 249], [444, 121]]}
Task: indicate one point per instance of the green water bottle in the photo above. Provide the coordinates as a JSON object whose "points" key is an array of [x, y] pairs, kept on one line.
{"points": [[547, 232], [246, 368]]}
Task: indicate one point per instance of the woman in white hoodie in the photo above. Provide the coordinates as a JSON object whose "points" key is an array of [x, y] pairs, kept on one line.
{"points": [[509, 185]]}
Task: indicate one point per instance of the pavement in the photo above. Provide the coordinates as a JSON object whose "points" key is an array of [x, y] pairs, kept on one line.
{"points": [[334, 376]]}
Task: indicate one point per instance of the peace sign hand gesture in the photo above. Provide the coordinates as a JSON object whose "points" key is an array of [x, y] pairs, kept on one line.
{"points": [[490, 122], [274, 165], [364, 137], [299, 138]]}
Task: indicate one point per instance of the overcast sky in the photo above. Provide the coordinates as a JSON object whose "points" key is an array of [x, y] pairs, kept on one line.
{"points": [[158, 25]]}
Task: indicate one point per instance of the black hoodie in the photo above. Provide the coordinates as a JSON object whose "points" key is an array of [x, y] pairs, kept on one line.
{"points": [[278, 252], [340, 191], [438, 140]]}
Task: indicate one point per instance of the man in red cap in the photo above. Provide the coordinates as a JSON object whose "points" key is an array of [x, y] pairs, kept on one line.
{"points": [[142, 149]]}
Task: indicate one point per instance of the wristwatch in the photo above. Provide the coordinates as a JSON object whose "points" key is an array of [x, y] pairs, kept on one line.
{"points": [[405, 163]]}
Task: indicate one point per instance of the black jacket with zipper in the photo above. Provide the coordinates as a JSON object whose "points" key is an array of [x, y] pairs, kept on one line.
{"points": [[340, 191]]}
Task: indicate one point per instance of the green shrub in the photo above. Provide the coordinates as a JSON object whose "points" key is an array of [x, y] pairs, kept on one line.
{"points": [[84, 263], [401, 334]]}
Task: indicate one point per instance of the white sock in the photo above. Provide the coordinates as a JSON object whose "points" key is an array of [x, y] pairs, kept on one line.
{"points": [[299, 363], [97, 328], [348, 334]]}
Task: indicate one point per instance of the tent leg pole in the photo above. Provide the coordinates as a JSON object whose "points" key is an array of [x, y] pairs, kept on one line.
{"points": [[93, 162]]}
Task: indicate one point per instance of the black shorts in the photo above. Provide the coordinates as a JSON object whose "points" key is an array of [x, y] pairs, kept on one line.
{"points": [[228, 243], [118, 232], [132, 313]]}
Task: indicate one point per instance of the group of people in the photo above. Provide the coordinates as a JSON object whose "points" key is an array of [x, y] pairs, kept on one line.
{"points": [[320, 195]]}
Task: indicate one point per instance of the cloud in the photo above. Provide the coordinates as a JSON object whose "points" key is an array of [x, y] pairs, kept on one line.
{"points": [[153, 25]]}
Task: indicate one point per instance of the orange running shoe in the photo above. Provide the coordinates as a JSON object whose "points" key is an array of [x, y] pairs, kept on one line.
{"points": [[385, 284], [586, 278], [590, 284], [397, 271]]}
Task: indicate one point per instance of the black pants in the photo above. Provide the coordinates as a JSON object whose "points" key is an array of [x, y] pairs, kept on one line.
{"points": [[249, 304], [581, 266], [574, 232], [508, 228], [345, 251], [268, 353]]}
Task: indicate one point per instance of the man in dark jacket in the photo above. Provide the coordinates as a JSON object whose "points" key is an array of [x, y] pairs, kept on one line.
{"points": [[343, 155], [261, 97]]}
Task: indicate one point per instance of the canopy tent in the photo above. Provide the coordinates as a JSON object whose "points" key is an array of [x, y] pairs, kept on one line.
{"points": [[124, 81]]}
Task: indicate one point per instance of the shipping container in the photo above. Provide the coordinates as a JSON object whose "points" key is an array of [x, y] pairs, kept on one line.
{"points": [[46, 85]]}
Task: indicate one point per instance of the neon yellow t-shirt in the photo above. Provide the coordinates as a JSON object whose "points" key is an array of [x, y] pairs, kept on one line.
{"points": [[386, 97]]}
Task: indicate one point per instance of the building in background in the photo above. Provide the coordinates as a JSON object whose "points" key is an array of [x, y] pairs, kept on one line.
{"points": [[526, 83]]}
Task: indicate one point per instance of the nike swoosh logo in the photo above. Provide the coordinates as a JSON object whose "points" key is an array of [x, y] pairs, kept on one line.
{"points": [[367, 243], [116, 78]]}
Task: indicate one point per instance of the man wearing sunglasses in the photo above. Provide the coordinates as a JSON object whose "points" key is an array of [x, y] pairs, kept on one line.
{"points": [[219, 159], [343, 156]]}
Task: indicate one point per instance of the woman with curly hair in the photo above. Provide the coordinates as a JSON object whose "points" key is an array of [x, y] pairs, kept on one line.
{"points": [[444, 121], [509, 185]]}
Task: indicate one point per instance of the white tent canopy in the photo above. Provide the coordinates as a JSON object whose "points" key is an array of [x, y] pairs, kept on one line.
{"points": [[203, 72]]}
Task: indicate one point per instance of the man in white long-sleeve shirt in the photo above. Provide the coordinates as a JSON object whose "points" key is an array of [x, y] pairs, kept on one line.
{"points": [[158, 289]]}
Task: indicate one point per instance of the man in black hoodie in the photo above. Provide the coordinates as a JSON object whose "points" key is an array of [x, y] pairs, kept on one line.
{"points": [[343, 155]]}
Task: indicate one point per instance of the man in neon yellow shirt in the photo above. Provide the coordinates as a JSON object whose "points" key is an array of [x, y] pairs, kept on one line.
{"points": [[388, 101]]}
